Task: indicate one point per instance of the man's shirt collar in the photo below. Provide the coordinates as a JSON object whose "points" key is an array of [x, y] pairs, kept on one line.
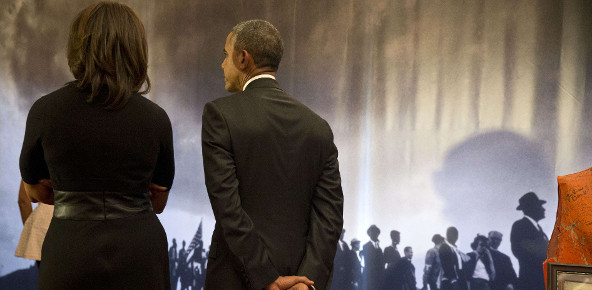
{"points": [[534, 223], [261, 76]]}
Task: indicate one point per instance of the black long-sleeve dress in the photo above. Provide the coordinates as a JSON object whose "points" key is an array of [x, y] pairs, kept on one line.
{"points": [[91, 154]]}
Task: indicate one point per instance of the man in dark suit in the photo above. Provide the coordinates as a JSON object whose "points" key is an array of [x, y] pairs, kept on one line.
{"points": [[271, 172], [451, 259], [391, 258], [529, 242], [341, 271], [505, 275], [391, 253], [403, 273], [354, 260], [373, 276]]}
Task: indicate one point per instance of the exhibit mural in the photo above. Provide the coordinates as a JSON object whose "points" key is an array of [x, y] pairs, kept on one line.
{"points": [[445, 113]]}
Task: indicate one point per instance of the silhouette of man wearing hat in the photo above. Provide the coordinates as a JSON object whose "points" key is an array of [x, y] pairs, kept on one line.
{"points": [[355, 262], [529, 242], [373, 261]]}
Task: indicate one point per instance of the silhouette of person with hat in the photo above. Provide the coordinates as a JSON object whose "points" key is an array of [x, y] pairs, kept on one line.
{"points": [[354, 258], [529, 242], [373, 275]]}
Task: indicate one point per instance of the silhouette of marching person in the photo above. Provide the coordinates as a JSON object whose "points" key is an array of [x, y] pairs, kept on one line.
{"points": [[391, 254], [391, 257], [433, 267], [340, 265], [529, 242], [373, 274], [197, 275], [173, 257], [451, 259], [479, 269], [403, 273], [505, 275], [354, 260], [183, 267]]}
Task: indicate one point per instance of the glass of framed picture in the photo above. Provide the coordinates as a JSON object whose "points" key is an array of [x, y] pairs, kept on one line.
{"points": [[569, 277]]}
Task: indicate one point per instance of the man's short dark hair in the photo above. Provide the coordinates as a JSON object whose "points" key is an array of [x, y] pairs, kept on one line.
{"points": [[395, 233], [261, 39], [437, 238]]}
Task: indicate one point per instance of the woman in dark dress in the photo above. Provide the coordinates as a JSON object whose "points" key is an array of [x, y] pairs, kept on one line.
{"points": [[104, 155]]}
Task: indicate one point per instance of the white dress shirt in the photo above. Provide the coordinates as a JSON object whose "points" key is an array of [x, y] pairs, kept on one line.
{"points": [[261, 76]]}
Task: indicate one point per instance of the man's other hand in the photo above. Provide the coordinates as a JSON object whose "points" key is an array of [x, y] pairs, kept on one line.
{"points": [[301, 286], [287, 282]]}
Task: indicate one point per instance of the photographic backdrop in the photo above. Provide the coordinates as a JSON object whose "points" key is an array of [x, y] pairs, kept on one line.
{"points": [[444, 112]]}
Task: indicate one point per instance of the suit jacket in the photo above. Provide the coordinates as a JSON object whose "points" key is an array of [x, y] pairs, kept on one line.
{"points": [[401, 276], [451, 270], [355, 274], [529, 245], [504, 271], [341, 272], [373, 267], [273, 180], [391, 256], [449, 262]]}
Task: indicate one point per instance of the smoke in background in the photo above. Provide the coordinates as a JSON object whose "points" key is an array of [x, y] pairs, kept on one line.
{"points": [[444, 112]]}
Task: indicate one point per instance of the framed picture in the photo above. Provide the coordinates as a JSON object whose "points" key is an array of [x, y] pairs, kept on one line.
{"points": [[569, 277]]}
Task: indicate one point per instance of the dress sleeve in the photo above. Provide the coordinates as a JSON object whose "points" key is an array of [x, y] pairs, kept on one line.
{"points": [[164, 172], [32, 160]]}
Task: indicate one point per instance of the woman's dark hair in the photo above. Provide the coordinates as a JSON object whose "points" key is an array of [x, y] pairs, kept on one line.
{"points": [[107, 50], [478, 239]]}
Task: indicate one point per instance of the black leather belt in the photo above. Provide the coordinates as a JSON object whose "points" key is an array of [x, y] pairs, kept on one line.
{"points": [[99, 205]]}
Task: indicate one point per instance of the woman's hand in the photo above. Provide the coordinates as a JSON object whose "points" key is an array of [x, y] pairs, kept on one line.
{"points": [[158, 196], [40, 192]]}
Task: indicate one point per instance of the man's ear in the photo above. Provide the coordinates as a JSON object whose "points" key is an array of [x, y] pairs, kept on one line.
{"points": [[244, 59]]}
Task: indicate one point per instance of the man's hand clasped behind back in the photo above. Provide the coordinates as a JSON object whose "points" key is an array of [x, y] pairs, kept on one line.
{"points": [[290, 283]]}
